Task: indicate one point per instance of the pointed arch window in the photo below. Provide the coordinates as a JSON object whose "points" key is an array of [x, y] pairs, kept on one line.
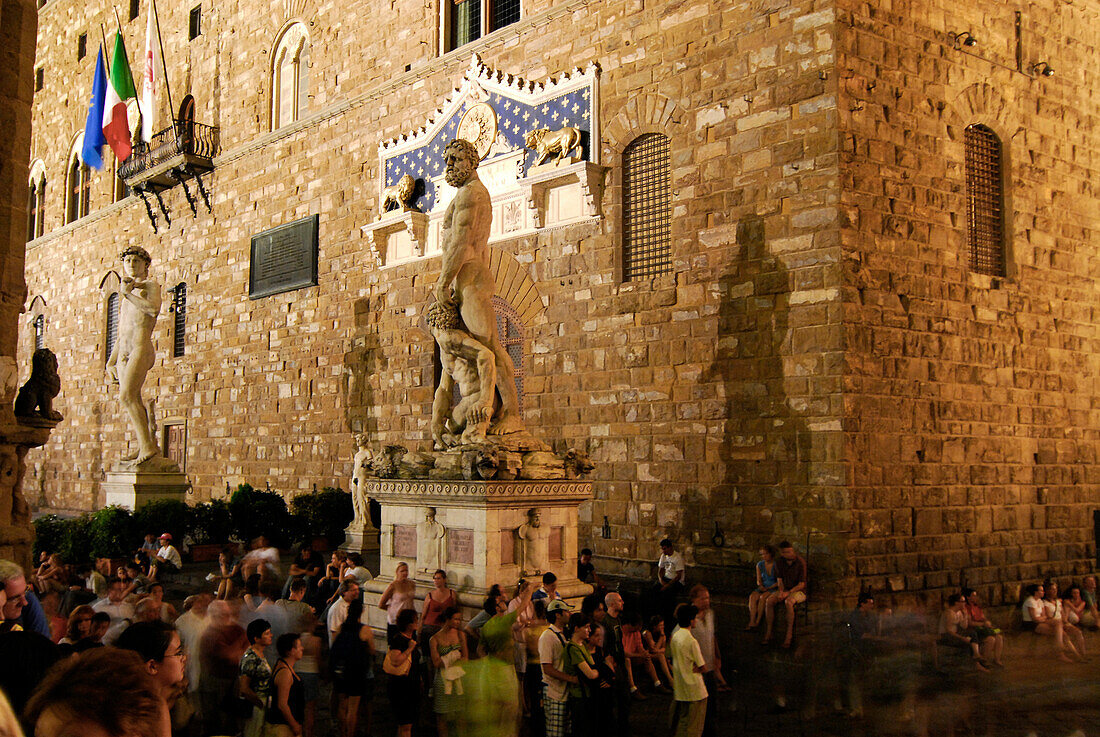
{"points": [[985, 210], [179, 319], [78, 185], [36, 200], [290, 76], [647, 208]]}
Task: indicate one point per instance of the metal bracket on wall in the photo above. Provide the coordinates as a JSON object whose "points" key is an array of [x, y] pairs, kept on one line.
{"points": [[163, 209], [202, 190], [148, 208], [180, 175]]}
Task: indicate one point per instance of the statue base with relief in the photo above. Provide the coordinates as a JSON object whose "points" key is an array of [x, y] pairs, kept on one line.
{"points": [[482, 540]]}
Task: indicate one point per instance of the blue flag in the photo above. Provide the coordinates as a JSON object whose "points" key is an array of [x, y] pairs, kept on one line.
{"points": [[94, 140]]}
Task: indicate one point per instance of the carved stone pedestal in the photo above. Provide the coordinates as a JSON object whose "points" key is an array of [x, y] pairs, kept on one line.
{"points": [[362, 539], [481, 543], [16, 438], [134, 488]]}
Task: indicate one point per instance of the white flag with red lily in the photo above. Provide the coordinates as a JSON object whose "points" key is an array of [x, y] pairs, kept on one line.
{"points": [[149, 79]]}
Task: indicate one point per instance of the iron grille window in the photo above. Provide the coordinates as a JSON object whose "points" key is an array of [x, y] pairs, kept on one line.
{"points": [[112, 325], [984, 201], [469, 20], [505, 12], [647, 208], [39, 79], [510, 330], [135, 6], [179, 322], [39, 332], [81, 46]]}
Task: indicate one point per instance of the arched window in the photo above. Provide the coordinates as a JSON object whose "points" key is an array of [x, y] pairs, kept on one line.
{"points": [[290, 76], [179, 319], [511, 332], [985, 200], [78, 183], [39, 332], [647, 208]]}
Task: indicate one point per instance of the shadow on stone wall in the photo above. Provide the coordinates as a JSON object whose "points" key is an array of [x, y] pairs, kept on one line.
{"points": [[766, 492], [362, 365]]}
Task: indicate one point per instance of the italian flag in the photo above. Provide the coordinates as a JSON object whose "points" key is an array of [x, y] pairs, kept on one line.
{"points": [[120, 88]]}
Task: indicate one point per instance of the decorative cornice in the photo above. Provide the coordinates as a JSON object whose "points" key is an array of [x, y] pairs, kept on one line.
{"points": [[466, 493]]}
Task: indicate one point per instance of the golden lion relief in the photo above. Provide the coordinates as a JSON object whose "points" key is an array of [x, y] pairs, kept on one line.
{"points": [[546, 142], [399, 195]]}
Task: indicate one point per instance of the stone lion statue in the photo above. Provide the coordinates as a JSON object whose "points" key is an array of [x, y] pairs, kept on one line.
{"points": [[35, 398], [399, 195], [546, 142], [577, 464]]}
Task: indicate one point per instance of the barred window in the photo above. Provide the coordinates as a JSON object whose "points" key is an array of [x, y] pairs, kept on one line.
{"points": [[179, 321], [468, 20], [510, 330], [39, 332], [111, 332], [647, 208], [984, 201]]}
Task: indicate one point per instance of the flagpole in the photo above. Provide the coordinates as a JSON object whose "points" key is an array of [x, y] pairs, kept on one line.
{"points": [[126, 56], [103, 35], [163, 63]]}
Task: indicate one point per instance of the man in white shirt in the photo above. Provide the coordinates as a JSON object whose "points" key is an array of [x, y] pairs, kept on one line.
{"points": [[338, 612], [689, 690], [670, 582], [168, 558], [120, 611], [554, 682], [191, 624]]}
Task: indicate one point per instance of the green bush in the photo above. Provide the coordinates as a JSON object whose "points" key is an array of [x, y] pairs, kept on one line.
{"points": [[49, 533], [211, 522], [113, 533], [256, 512], [160, 516], [323, 514], [76, 547]]}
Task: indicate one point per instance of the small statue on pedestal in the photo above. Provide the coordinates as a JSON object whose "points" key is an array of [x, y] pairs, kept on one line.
{"points": [[536, 544], [360, 471], [35, 399], [430, 553]]}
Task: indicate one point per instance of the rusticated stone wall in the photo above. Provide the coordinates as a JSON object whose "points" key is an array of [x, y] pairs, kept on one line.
{"points": [[972, 410]]}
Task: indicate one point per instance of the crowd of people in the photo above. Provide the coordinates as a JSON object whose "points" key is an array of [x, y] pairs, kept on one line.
{"points": [[256, 651]]}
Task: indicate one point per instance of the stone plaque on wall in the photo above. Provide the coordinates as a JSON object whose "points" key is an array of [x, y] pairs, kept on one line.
{"points": [[460, 546], [556, 534], [284, 258], [507, 547], [404, 541]]}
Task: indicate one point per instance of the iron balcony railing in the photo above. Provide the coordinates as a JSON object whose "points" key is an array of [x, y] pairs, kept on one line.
{"points": [[184, 137]]}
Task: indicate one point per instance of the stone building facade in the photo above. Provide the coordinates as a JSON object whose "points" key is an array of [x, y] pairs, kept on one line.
{"points": [[818, 362]]}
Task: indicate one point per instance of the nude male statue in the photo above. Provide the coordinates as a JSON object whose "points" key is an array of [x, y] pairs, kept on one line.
{"points": [[470, 365], [466, 281], [133, 354]]}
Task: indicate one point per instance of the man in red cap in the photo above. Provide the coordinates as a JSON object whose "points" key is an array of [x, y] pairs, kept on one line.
{"points": [[168, 558]]}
